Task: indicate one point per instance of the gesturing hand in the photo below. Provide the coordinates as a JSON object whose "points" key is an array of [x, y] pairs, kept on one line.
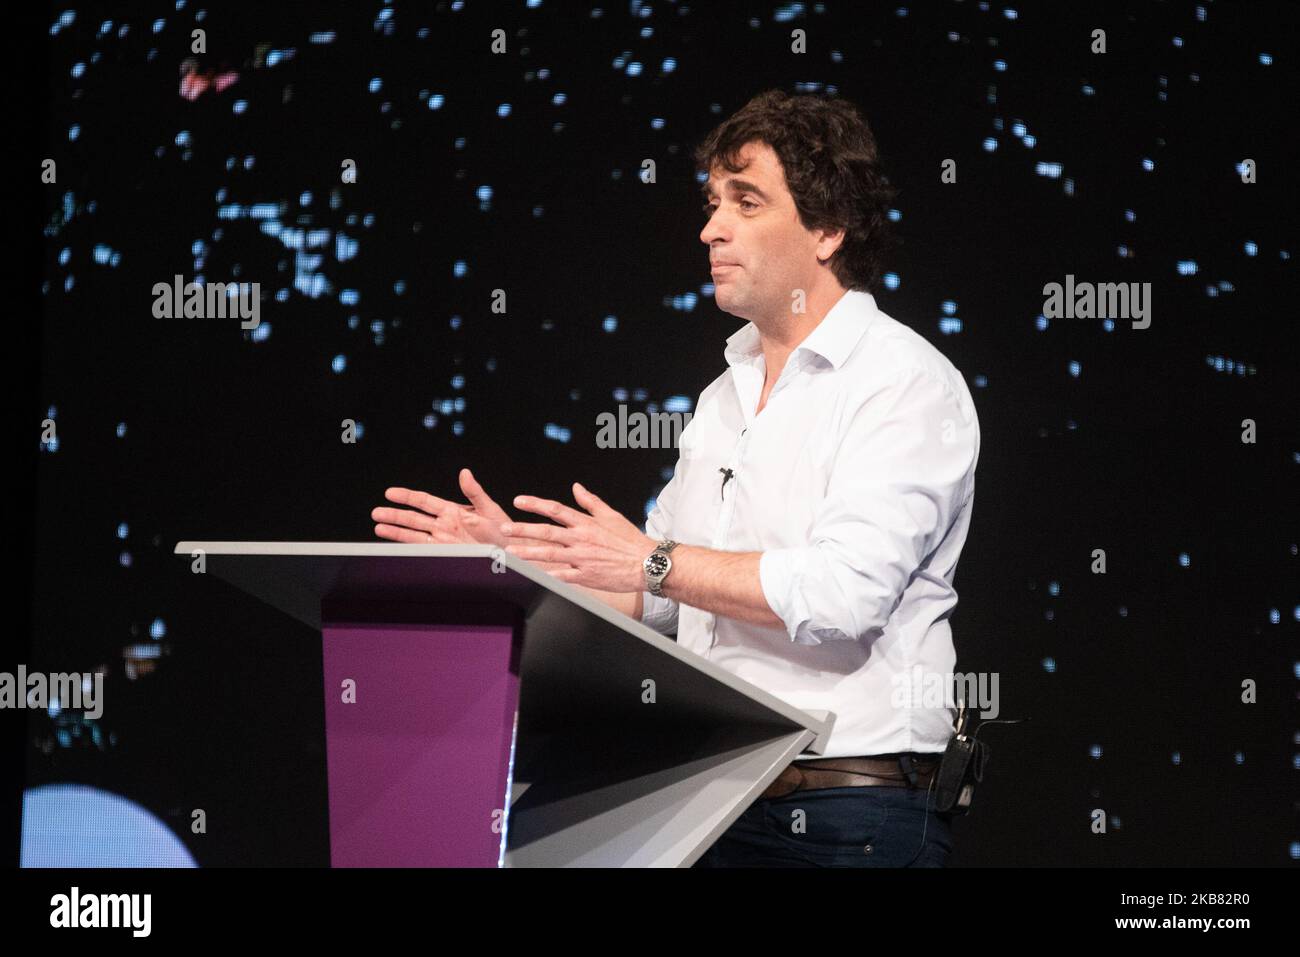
{"points": [[434, 520], [602, 548]]}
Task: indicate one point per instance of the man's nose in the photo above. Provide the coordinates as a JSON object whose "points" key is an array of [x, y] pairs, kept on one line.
{"points": [[713, 229]]}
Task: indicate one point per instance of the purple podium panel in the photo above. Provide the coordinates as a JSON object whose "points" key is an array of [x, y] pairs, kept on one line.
{"points": [[420, 719]]}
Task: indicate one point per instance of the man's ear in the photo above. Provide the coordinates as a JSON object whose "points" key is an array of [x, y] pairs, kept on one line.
{"points": [[831, 240]]}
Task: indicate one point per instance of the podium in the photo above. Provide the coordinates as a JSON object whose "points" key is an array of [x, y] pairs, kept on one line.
{"points": [[482, 713]]}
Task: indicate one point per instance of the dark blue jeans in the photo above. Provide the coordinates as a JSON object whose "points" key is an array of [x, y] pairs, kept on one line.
{"points": [[837, 827]]}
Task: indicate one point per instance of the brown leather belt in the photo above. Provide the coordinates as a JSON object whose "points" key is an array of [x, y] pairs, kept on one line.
{"points": [[883, 771]]}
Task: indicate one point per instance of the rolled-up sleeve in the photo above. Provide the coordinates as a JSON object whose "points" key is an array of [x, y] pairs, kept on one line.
{"points": [[903, 470], [658, 612]]}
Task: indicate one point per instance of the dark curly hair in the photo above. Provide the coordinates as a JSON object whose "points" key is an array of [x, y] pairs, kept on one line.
{"points": [[832, 169]]}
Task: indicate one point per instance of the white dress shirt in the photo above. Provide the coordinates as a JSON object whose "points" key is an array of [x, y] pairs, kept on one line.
{"points": [[856, 483]]}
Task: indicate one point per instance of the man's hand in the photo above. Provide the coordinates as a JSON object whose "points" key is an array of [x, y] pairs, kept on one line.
{"points": [[436, 521], [601, 548]]}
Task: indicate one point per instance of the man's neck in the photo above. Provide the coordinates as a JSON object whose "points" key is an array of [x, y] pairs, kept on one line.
{"points": [[780, 334]]}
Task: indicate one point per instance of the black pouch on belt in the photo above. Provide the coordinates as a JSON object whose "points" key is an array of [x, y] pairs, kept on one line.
{"points": [[960, 770]]}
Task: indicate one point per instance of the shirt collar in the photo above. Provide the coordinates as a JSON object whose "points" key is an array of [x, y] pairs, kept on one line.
{"points": [[833, 338]]}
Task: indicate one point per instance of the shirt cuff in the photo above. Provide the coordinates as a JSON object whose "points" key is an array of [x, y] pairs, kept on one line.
{"points": [[659, 613], [780, 574]]}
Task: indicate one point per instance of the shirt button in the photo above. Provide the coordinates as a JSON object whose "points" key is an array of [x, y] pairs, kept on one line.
{"points": [[867, 850]]}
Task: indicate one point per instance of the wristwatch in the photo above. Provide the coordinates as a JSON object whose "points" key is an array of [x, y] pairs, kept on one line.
{"points": [[657, 566]]}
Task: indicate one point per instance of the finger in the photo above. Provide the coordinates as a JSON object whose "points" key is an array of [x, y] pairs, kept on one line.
{"points": [[537, 531], [403, 516], [537, 553], [397, 533], [592, 502], [425, 502], [476, 495], [552, 509]]}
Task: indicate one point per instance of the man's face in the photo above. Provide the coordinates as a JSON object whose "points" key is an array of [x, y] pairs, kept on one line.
{"points": [[754, 229]]}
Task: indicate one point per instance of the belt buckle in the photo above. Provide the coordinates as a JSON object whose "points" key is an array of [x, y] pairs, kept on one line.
{"points": [[908, 767]]}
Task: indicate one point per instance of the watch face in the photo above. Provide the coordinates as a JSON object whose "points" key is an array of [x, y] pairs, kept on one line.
{"points": [[657, 564]]}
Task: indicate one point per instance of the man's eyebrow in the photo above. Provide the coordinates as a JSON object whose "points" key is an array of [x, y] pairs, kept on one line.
{"points": [[737, 186]]}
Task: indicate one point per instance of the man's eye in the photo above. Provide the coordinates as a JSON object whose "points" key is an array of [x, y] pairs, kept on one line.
{"points": [[708, 208]]}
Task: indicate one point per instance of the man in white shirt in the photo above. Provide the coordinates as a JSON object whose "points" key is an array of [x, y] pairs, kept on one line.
{"points": [[809, 537]]}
